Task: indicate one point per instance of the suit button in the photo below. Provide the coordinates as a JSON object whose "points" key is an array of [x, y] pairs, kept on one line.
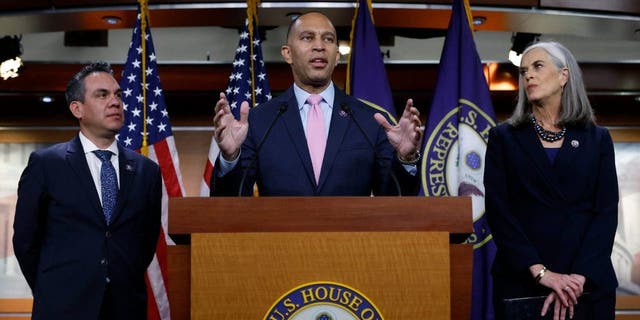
{"points": [[107, 279], [108, 234], [103, 261]]}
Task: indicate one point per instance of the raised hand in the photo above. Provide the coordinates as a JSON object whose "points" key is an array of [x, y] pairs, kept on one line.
{"points": [[406, 136], [230, 133]]}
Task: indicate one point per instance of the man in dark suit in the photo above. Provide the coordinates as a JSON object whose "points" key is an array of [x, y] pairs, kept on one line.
{"points": [[84, 244], [275, 144]]}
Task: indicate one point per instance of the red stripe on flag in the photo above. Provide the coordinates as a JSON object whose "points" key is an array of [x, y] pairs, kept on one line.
{"points": [[152, 307], [161, 254], [208, 171], [169, 174]]}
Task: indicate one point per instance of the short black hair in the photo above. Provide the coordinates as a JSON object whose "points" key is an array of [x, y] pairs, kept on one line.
{"points": [[75, 87]]}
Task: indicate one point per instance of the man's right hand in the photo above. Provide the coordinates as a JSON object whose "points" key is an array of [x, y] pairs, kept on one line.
{"points": [[229, 132]]}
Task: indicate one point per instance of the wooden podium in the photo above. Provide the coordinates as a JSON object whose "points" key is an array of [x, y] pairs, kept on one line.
{"points": [[246, 253]]}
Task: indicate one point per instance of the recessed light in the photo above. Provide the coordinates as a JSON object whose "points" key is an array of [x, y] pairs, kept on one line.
{"points": [[112, 20], [46, 99], [479, 20], [343, 47]]}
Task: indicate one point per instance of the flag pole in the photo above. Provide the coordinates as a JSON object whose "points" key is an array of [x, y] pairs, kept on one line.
{"points": [[467, 9], [252, 13], [144, 150], [353, 27]]}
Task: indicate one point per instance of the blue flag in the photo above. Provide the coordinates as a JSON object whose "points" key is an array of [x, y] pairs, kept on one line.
{"points": [[366, 76], [455, 144]]}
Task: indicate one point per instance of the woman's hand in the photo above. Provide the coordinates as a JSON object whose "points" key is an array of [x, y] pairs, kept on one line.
{"points": [[560, 312], [564, 286]]}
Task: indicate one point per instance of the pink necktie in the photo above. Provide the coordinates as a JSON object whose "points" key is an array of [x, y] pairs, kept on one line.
{"points": [[316, 135]]}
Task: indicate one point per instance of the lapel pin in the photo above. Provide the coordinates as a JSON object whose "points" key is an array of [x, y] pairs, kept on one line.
{"points": [[129, 168], [575, 143], [343, 114]]}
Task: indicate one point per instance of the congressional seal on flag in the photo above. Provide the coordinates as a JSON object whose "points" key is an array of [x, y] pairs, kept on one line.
{"points": [[448, 173]]}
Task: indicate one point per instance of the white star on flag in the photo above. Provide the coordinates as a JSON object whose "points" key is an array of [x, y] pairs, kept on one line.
{"points": [[239, 90]]}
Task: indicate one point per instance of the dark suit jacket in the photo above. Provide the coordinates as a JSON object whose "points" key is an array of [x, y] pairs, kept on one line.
{"points": [[562, 215], [66, 250], [352, 166]]}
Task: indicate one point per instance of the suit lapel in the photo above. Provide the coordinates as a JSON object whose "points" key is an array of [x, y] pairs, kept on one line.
{"points": [[296, 133], [78, 162], [530, 143], [567, 155], [337, 132]]}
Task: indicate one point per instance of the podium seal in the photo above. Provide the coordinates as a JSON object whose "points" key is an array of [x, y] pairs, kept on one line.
{"points": [[323, 301]]}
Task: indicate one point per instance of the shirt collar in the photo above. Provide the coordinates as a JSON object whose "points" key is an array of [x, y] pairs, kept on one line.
{"points": [[327, 94], [89, 146]]}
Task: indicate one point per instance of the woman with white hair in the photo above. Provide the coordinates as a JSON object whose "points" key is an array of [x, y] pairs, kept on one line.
{"points": [[552, 193]]}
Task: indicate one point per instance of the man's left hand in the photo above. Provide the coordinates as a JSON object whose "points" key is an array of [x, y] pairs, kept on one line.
{"points": [[406, 136]]}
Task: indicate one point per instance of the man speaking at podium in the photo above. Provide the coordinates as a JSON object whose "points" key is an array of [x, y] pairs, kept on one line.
{"points": [[314, 140]]}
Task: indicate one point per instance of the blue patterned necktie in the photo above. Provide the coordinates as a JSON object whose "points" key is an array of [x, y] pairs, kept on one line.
{"points": [[109, 183]]}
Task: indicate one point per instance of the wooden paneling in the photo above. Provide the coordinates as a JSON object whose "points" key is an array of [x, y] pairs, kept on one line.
{"points": [[192, 90], [461, 258], [622, 6], [179, 287], [36, 135], [267, 214], [16, 305], [43, 4], [179, 259], [24, 5], [239, 276], [625, 135], [628, 302]]}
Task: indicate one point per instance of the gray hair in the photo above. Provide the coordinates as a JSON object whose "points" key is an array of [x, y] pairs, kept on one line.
{"points": [[75, 88], [575, 106]]}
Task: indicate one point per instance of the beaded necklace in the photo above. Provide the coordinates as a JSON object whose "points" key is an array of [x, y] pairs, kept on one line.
{"points": [[547, 135]]}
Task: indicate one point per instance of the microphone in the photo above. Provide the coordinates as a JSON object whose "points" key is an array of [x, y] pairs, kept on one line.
{"points": [[281, 110], [347, 109]]}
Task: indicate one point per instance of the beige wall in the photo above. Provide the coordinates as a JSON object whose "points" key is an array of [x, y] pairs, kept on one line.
{"points": [[193, 147]]}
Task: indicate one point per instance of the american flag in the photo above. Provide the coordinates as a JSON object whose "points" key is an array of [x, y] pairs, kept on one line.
{"points": [[161, 149], [242, 88]]}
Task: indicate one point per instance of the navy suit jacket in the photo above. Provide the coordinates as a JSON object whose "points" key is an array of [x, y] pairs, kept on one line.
{"points": [[352, 165], [65, 248], [563, 215]]}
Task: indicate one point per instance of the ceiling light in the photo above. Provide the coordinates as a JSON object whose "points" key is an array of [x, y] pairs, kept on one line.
{"points": [[10, 52], [46, 99], [343, 47], [520, 41], [479, 20], [112, 20]]}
